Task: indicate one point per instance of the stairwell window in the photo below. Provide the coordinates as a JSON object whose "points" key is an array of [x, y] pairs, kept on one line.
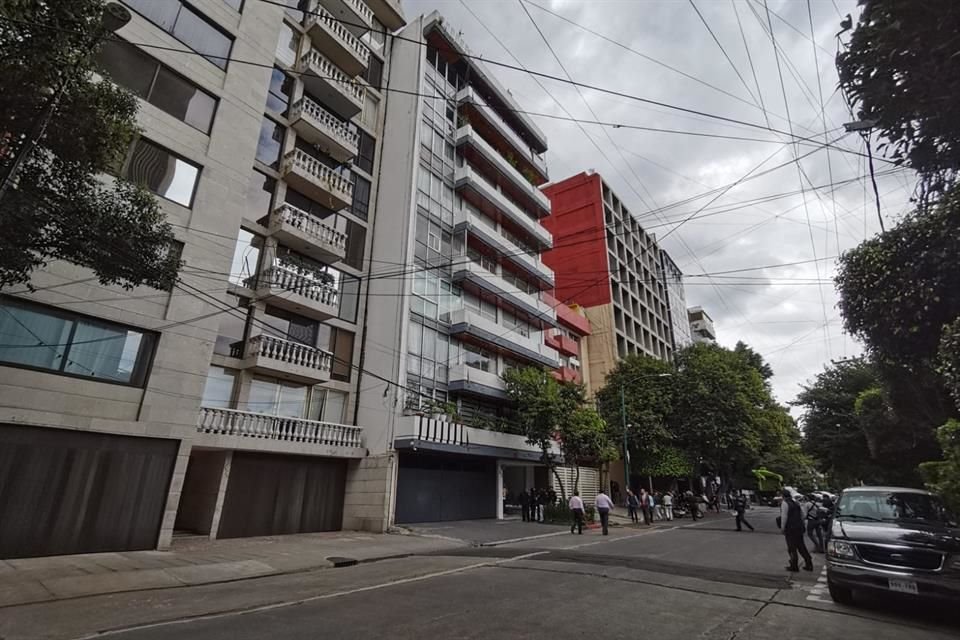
{"points": [[163, 172]]}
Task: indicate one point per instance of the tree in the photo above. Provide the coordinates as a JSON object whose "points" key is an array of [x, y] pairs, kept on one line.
{"points": [[753, 359], [949, 359], [943, 477], [584, 440], [900, 69], [59, 207]]}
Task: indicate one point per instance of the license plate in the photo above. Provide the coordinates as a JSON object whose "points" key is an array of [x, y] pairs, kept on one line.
{"points": [[903, 586]]}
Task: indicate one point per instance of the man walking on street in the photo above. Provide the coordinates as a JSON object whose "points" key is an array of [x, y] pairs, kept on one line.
{"points": [[604, 504], [645, 505], [740, 506], [525, 505], [632, 505], [791, 522], [576, 508], [668, 505], [813, 523], [693, 504]]}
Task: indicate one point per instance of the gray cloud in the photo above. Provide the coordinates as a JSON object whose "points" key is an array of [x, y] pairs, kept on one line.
{"points": [[780, 312]]}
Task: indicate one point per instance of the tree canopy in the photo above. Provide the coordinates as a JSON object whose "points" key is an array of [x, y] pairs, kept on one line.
{"points": [[900, 69], [60, 207]]}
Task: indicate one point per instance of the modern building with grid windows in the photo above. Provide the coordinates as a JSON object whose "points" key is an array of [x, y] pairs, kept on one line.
{"points": [[227, 406], [460, 211]]}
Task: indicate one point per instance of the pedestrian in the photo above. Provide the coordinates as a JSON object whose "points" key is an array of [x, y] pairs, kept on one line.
{"points": [[633, 504], [693, 504], [813, 523], [534, 504], [661, 510], [576, 508], [715, 502], [604, 504], [525, 505], [740, 508], [551, 496], [668, 505], [651, 507], [644, 506], [791, 522], [826, 515]]}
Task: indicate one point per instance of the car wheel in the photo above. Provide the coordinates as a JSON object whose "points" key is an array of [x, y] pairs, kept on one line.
{"points": [[841, 595]]}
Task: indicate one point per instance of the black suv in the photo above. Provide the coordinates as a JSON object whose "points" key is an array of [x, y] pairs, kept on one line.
{"points": [[895, 540]]}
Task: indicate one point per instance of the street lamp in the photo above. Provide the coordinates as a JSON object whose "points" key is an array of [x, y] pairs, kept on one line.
{"points": [[623, 420], [114, 16]]}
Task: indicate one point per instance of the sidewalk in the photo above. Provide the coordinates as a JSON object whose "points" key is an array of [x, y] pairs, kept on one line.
{"points": [[196, 561]]}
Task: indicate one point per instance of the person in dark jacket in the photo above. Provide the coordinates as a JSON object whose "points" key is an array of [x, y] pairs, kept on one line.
{"points": [[740, 507], [792, 524], [525, 505], [632, 505]]}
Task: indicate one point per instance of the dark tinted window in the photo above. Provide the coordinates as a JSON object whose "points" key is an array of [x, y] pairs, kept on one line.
{"points": [[163, 172], [270, 143], [356, 240], [128, 66], [374, 73], [361, 197], [368, 146], [281, 88], [349, 297], [187, 26], [341, 345], [260, 194]]}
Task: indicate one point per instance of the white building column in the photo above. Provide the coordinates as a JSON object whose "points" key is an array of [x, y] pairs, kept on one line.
{"points": [[499, 490]]}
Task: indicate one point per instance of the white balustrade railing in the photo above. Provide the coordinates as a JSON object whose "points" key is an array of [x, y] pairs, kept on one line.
{"points": [[232, 422], [289, 352], [361, 9], [311, 225], [321, 173], [289, 279], [334, 126], [318, 63], [321, 15]]}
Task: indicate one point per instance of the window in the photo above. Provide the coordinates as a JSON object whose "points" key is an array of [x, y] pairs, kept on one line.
{"points": [[374, 73], [288, 45], [277, 397], [349, 297], [371, 108], [260, 190], [376, 37], [368, 146], [163, 172], [38, 337], [246, 257], [341, 345], [157, 84], [478, 358], [187, 26], [361, 197], [281, 89], [270, 143], [356, 241], [218, 390]]}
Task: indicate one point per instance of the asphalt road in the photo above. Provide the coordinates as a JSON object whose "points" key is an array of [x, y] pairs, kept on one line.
{"points": [[678, 581]]}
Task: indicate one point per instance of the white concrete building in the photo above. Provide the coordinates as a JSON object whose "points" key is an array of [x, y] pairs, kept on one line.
{"points": [[459, 208], [701, 326], [227, 406]]}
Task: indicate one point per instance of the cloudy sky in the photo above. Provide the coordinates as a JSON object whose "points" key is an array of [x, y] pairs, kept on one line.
{"points": [[664, 51]]}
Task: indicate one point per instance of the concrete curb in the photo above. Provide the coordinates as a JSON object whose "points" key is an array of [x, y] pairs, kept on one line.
{"points": [[497, 543]]}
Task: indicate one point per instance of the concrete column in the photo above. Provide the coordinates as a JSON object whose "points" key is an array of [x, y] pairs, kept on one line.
{"points": [[221, 494], [499, 490], [165, 536]]}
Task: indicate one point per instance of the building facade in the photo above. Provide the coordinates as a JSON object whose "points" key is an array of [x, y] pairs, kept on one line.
{"points": [[226, 406], [460, 211], [607, 263], [701, 326], [677, 308]]}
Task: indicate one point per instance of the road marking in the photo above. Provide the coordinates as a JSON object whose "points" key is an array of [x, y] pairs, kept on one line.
{"points": [[820, 589]]}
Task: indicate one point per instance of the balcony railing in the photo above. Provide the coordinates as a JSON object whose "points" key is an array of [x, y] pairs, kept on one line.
{"points": [[320, 175], [469, 96], [328, 124], [291, 353], [232, 422], [311, 226], [466, 177], [288, 279], [479, 226], [361, 9], [340, 37], [318, 71]]}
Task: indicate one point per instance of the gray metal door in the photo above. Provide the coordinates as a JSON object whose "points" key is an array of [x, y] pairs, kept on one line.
{"points": [[65, 492], [436, 488]]}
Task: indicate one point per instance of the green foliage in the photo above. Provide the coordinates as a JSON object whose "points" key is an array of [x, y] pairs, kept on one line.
{"points": [[949, 359], [647, 401], [669, 462], [901, 69], [753, 359], [60, 209], [943, 477], [560, 513]]}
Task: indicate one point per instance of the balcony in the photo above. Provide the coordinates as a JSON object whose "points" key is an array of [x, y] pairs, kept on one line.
{"points": [[327, 82], [466, 379], [318, 126], [564, 344], [331, 37], [316, 180], [507, 292], [481, 228], [233, 428], [483, 195], [479, 152], [307, 234], [483, 118], [567, 316], [482, 330], [355, 15], [285, 359], [567, 374], [284, 287]]}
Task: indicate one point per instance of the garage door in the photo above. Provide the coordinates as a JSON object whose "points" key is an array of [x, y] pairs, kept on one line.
{"points": [[275, 494], [442, 488], [67, 492]]}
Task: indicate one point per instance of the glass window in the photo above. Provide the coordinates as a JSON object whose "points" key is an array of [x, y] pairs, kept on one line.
{"points": [[246, 257], [368, 145], [232, 325], [270, 143], [164, 173], [187, 26], [218, 390], [361, 197], [183, 99], [341, 345], [288, 45], [128, 66], [334, 406], [34, 336], [349, 297], [281, 89], [260, 190], [356, 242], [374, 73], [371, 108]]}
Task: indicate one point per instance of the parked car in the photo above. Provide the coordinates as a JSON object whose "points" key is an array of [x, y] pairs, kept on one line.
{"points": [[896, 540]]}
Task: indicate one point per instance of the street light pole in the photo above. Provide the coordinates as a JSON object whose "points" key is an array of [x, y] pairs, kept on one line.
{"points": [[623, 422]]}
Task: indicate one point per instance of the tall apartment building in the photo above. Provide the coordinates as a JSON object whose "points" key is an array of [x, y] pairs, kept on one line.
{"points": [[701, 326], [227, 405], [677, 307], [460, 211], [607, 263]]}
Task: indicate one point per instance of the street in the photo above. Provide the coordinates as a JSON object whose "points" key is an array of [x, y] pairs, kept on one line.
{"points": [[673, 580]]}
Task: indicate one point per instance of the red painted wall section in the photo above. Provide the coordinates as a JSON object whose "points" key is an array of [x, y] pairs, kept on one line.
{"points": [[579, 254]]}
